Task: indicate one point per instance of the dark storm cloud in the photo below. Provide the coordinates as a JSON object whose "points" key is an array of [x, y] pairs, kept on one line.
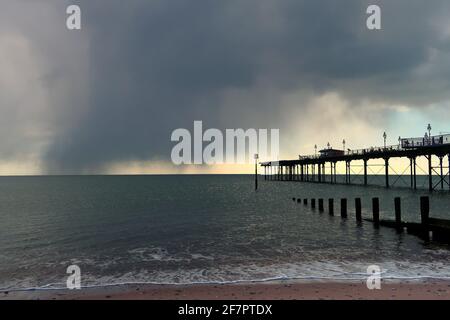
{"points": [[41, 77], [155, 66]]}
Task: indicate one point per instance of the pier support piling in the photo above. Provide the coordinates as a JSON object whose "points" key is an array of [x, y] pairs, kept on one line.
{"points": [[365, 172], [386, 167], [335, 174], [415, 176], [347, 172], [430, 174], [411, 175]]}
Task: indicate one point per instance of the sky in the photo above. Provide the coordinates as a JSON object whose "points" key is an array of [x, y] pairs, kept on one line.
{"points": [[106, 98]]}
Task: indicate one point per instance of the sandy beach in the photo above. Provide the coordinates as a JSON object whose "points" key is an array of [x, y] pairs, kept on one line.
{"points": [[356, 290]]}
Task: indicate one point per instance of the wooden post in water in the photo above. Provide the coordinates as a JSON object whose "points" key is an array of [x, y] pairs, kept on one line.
{"points": [[321, 205], [424, 210], [344, 208], [358, 209], [376, 211], [313, 203], [331, 207], [398, 213]]}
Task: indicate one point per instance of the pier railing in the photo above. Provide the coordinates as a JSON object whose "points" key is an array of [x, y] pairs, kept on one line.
{"points": [[349, 152], [438, 140], [373, 150], [405, 144]]}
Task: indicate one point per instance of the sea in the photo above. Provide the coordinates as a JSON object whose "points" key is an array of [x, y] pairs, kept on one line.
{"points": [[191, 229]]}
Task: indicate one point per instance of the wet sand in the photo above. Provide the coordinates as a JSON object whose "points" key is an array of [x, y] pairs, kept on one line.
{"points": [[439, 290]]}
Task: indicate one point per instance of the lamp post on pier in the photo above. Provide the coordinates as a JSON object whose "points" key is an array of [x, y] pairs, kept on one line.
{"points": [[256, 171]]}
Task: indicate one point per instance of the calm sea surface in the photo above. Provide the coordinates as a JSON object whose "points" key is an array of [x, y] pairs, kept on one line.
{"points": [[189, 229]]}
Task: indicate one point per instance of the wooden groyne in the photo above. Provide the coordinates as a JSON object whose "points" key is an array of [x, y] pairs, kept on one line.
{"points": [[428, 228], [313, 168]]}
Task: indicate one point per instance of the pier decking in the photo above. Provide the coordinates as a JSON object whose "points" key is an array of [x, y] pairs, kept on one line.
{"points": [[313, 168]]}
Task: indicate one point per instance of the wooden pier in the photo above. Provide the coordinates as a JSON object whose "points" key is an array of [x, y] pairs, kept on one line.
{"points": [[313, 168]]}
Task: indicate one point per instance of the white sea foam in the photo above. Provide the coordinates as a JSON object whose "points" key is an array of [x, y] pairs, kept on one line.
{"points": [[153, 254], [317, 271], [148, 254]]}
